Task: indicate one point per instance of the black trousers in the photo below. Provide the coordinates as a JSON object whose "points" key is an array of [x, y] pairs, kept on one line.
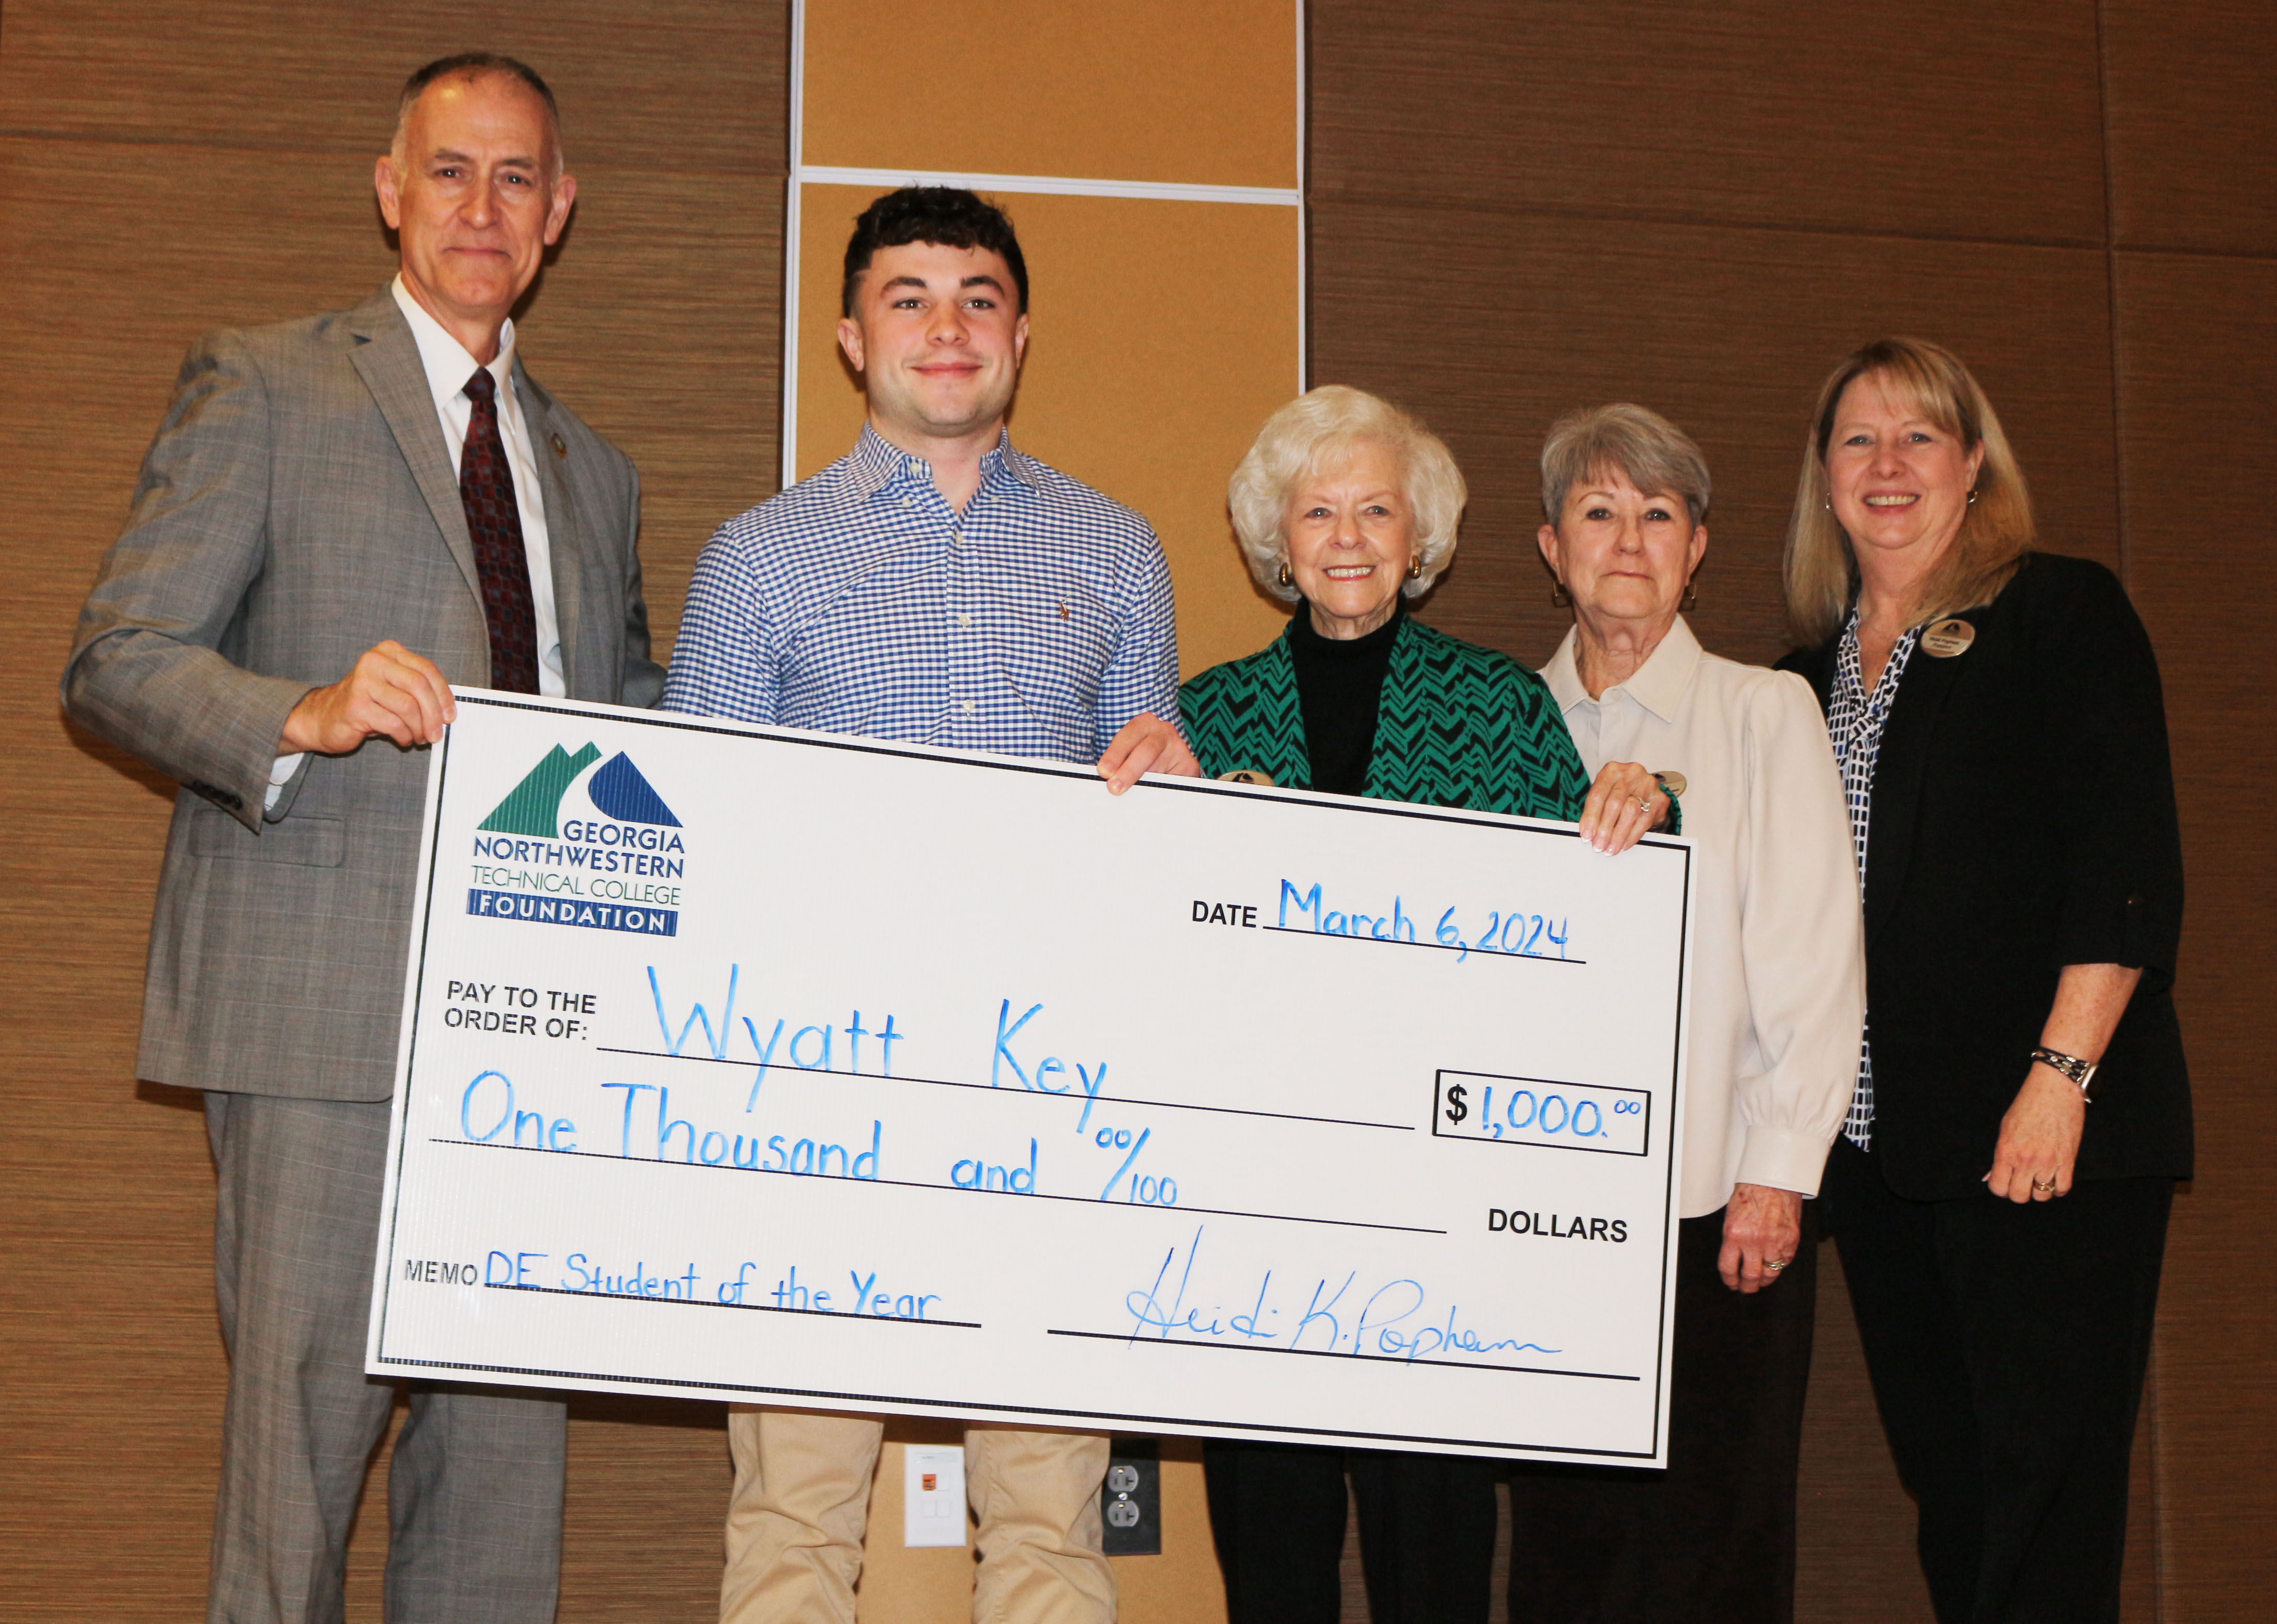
{"points": [[1426, 1532], [1711, 1539], [2006, 1345]]}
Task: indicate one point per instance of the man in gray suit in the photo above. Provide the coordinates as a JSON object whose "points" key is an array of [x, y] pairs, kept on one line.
{"points": [[384, 493]]}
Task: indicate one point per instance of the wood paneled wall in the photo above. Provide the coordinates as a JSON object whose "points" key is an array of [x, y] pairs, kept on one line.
{"points": [[2192, 152], [1517, 208], [167, 167], [1523, 207]]}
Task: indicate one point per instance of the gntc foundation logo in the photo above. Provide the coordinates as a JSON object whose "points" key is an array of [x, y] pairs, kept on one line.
{"points": [[621, 871]]}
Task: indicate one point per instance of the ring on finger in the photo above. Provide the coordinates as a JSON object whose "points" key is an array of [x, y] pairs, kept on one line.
{"points": [[1643, 804], [2048, 1188], [1772, 1265]]}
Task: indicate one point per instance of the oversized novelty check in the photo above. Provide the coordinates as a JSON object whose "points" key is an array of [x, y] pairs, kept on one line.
{"points": [[794, 1068]]}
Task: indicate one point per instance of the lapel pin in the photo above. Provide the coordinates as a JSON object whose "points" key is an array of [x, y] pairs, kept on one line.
{"points": [[561, 446], [1947, 639]]}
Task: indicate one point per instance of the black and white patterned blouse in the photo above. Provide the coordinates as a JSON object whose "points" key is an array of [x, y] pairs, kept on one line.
{"points": [[1854, 720]]}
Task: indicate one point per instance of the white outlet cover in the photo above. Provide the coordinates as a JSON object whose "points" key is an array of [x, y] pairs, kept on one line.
{"points": [[933, 1495]]}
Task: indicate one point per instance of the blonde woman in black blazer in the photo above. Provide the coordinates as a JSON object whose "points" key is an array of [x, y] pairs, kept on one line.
{"points": [[2001, 1224]]}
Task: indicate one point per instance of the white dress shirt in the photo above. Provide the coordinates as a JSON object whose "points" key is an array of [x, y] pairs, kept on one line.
{"points": [[448, 366], [1779, 951]]}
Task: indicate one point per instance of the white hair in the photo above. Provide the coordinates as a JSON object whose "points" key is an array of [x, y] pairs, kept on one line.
{"points": [[1321, 429]]}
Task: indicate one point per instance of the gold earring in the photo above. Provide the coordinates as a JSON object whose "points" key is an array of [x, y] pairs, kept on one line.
{"points": [[1558, 597], [1415, 568], [1284, 572], [1972, 498], [1691, 593]]}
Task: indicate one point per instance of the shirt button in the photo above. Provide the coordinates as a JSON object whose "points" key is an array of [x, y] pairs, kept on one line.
{"points": [[965, 620], [970, 707]]}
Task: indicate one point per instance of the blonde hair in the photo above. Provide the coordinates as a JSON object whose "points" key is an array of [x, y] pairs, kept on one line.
{"points": [[1642, 447], [1317, 430], [1996, 531]]}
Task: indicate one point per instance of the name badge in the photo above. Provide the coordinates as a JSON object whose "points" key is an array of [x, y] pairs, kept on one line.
{"points": [[1947, 639]]}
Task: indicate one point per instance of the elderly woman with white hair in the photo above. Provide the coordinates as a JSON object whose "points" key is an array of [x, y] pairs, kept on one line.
{"points": [[1346, 506], [1777, 998]]}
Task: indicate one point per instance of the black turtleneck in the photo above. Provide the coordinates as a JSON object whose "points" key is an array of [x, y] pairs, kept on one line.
{"points": [[1338, 686]]}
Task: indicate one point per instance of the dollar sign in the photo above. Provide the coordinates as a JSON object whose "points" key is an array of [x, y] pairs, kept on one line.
{"points": [[1455, 1109]]}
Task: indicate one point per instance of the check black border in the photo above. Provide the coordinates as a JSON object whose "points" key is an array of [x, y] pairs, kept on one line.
{"points": [[1439, 1092], [1089, 778]]}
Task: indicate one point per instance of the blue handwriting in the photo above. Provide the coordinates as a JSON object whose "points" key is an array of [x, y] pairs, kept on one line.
{"points": [[1395, 1319]]}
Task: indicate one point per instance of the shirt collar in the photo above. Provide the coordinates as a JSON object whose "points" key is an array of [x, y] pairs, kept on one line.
{"points": [[880, 464], [1301, 633], [1850, 663], [1659, 685], [1015, 462], [446, 360], [1564, 673]]}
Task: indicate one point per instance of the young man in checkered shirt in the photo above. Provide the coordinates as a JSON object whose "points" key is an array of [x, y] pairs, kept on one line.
{"points": [[933, 586]]}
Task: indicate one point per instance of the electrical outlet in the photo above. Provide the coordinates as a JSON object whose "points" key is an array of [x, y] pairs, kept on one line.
{"points": [[1130, 1499], [933, 1495]]}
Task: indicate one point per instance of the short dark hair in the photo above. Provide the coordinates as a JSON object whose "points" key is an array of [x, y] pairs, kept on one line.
{"points": [[946, 215], [473, 64]]}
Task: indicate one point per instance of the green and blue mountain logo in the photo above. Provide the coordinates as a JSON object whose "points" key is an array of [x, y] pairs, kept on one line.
{"points": [[617, 791], [623, 870]]}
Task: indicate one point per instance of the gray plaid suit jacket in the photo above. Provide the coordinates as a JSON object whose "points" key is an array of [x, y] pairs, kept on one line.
{"points": [[296, 507]]}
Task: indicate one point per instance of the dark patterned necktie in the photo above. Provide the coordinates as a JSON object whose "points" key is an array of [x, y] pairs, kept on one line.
{"points": [[486, 487]]}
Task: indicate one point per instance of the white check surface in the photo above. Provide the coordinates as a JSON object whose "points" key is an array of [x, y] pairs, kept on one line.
{"points": [[792, 1068]]}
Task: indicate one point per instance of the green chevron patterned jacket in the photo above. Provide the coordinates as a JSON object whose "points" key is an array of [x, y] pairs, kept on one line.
{"points": [[1458, 725]]}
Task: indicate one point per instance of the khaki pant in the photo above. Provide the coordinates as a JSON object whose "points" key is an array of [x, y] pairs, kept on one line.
{"points": [[801, 1499]]}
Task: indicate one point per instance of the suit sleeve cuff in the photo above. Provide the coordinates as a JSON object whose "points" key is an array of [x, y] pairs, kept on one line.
{"points": [[242, 753]]}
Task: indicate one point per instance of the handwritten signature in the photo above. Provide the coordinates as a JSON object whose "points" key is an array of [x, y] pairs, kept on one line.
{"points": [[1390, 1319]]}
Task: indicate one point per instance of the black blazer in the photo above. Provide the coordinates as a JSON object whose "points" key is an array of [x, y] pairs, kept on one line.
{"points": [[2023, 820]]}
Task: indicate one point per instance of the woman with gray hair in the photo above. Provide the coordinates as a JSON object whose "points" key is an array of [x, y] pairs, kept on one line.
{"points": [[1346, 506], [1778, 994]]}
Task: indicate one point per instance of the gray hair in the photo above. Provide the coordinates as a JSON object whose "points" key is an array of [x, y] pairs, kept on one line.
{"points": [[1317, 430], [1643, 447], [475, 64]]}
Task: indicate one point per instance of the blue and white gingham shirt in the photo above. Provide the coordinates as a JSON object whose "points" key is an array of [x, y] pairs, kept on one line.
{"points": [[1037, 622]]}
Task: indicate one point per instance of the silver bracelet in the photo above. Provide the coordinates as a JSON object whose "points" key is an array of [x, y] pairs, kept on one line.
{"points": [[2080, 1071]]}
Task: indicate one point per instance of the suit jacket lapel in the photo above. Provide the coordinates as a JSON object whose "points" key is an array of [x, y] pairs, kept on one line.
{"points": [[1899, 770], [388, 362], [563, 541], [1281, 749], [1817, 669], [1400, 735]]}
